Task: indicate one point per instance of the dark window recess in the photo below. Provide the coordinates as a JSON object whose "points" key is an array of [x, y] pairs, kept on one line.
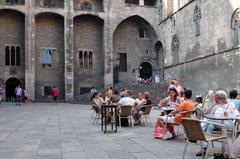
{"points": [[84, 90], [141, 33], [122, 62], [18, 56], [85, 60], [7, 56], [132, 1], [13, 57], [80, 59], [11, 1], [90, 60], [149, 2], [48, 91]]}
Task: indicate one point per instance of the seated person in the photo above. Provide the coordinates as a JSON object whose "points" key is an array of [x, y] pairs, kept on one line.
{"points": [[209, 100], [233, 98], [139, 107], [96, 102], [176, 115], [116, 97], [222, 108], [171, 100], [127, 99]]}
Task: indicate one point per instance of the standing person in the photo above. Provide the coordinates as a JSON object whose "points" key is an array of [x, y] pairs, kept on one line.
{"points": [[55, 94], [1, 93], [18, 92], [109, 94], [178, 86]]}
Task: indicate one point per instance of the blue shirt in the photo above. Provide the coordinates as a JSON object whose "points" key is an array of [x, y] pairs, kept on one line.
{"points": [[236, 102]]}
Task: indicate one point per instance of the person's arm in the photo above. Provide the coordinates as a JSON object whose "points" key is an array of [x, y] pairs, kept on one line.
{"points": [[163, 102], [210, 109]]}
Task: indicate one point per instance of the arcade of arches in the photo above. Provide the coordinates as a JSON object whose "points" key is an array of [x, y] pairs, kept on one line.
{"points": [[89, 59]]}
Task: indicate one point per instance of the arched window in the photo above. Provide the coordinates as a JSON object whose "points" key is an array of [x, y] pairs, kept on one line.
{"points": [[7, 55], [18, 56], [197, 18], [12, 55], [85, 60], [90, 60], [236, 26], [175, 48]]}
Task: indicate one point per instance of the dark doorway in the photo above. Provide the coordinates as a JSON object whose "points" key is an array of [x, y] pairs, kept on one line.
{"points": [[11, 84], [145, 70]]}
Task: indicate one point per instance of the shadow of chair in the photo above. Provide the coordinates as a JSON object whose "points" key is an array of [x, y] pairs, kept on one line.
{"points": [[126, 112], [194, 132]]}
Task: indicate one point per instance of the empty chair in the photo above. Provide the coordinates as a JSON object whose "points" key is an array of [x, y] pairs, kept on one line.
{"points": [[126, 112], [146, 114], [194, 132]]}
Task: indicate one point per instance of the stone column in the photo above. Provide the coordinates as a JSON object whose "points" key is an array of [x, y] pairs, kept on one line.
{"points": [[68, 42], [108, 47], [30, 48]]}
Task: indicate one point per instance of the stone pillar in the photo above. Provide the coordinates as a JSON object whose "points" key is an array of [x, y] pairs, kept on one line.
{"points": [[108, 48], [30, 49], [69, 54]]}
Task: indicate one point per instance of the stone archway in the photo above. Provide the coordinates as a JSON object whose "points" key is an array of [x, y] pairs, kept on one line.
{"points": [[145, 70], [10, 86]]}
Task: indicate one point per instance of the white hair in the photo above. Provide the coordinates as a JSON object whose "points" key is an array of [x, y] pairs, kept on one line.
{"points": [[221, 94]]}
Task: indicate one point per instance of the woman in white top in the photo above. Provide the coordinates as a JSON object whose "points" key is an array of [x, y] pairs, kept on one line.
{"points": [[172, 100]]}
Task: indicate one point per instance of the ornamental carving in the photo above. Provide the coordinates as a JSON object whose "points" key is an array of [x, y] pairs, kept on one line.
{"points": [[11, 1], [175, 43], [197, 14], [86, 6], [236, 19]]}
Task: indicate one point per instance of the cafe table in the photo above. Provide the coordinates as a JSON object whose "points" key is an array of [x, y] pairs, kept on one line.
{"points": [[109, 116], [222, 119]]}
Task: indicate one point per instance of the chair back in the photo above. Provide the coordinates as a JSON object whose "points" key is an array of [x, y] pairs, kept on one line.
{"points": [[148, 109], [125, 110], [193, 129], [95, 108]]}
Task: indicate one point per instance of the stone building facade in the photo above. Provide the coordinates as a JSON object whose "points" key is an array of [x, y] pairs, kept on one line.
{"points": [[78, 44]]}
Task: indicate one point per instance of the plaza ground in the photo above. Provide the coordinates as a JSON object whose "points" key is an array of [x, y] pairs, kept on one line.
{"points": [[65, 131]]}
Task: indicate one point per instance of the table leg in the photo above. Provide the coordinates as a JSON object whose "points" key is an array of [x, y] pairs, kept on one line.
{"points": [[105, 122], [102, 118]]}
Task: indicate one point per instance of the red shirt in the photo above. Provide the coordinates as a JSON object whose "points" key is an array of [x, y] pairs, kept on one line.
{"points": [[55, 92]]}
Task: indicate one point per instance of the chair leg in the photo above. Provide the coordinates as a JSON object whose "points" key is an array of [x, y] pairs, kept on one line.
{"points": [[119, 121], [185, 150], [227, 148], [206, 155]]}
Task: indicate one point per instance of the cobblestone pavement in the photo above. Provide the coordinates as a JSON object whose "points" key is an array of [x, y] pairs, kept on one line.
{"points": [[65, 131]]}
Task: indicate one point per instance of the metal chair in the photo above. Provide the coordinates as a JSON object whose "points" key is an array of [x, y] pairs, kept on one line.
{"points": [[194, 132], [146, 114], [97, 114], [126, 112]]}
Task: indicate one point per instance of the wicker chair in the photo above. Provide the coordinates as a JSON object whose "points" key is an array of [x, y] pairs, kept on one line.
{"points": [[194, 132], [146, 114], [126, 112]]}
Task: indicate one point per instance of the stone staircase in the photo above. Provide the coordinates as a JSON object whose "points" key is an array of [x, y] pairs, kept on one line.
{"points": [[157, 91]]}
